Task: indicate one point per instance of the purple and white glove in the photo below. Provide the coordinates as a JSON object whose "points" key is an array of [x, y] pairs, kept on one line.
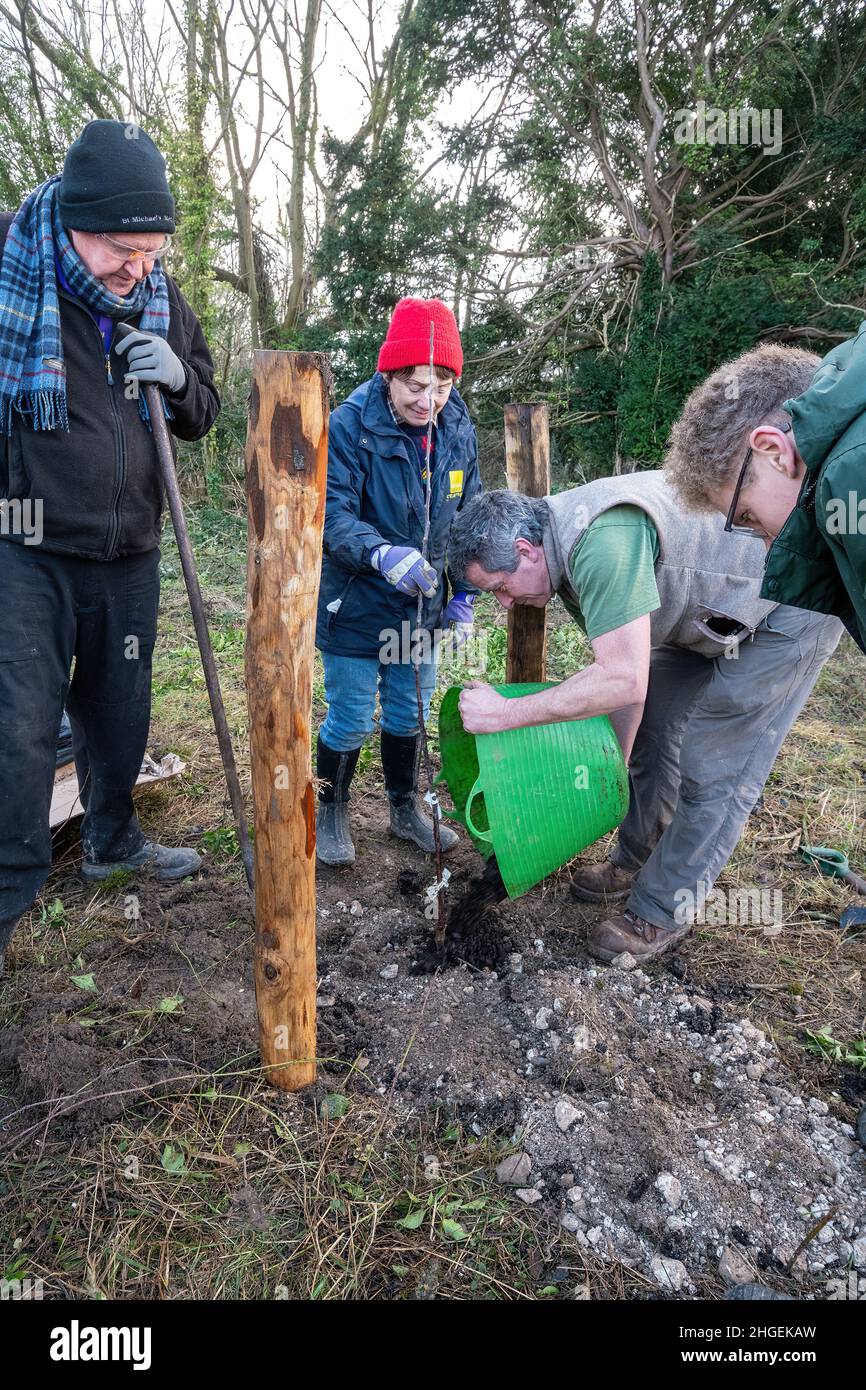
{"points": [[406, 569], [459, 611]]}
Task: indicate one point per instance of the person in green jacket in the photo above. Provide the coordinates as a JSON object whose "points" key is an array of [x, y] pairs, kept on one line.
{"points": [[776, 440]]}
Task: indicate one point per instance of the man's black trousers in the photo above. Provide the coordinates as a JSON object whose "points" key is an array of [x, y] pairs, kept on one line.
{"points": [[101, 615]]}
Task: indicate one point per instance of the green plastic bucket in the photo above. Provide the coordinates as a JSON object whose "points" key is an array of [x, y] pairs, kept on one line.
{"points": [[534, 797]]}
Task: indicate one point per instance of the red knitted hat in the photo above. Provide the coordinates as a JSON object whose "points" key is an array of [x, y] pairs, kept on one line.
{"points": [[407, 343]]}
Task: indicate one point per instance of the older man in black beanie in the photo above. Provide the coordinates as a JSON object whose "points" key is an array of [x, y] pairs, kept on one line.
{"points": [[81, 496]]}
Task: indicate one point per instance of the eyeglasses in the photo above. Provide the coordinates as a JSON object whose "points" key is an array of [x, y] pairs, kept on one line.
{"points": [[134, 253], [735, 500]]}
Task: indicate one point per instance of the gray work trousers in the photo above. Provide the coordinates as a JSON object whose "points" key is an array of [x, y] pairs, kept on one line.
{"points": [[710, 733]]}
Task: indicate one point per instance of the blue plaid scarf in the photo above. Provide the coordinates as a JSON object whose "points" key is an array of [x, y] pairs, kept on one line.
{"points": [[32, 374]]}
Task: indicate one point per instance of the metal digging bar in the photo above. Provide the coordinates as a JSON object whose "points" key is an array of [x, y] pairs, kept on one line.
{"points": [[169, 476]]}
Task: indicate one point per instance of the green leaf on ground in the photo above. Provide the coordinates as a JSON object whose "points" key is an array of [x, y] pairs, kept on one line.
{"points": [[169, 1004], [413, 1220], [173, 1160]]}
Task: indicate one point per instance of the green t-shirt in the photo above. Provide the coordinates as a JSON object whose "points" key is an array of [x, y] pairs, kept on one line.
{"points": [[613, 571]]}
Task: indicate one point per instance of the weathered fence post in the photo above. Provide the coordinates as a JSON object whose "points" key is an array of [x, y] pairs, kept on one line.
{"points": [[286, 469], [527, 468]]}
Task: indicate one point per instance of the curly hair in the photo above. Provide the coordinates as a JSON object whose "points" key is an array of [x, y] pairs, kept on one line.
{"points": [[709, 440]]}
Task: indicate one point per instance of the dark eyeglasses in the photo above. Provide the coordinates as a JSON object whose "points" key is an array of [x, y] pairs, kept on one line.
{"points": [[735, 500]]}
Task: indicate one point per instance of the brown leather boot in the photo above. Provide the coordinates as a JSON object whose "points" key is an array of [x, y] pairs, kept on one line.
{"points": [[631, 933], [602, 883]]}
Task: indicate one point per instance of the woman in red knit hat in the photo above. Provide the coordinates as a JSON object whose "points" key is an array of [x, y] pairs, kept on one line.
{"points": [[373, 567]]}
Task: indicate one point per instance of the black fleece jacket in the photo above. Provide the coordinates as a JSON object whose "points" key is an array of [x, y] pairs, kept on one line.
{"points": [[99, 484]]}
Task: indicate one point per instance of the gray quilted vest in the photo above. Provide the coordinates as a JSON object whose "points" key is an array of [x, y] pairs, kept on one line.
{"points": [[708, 581]]}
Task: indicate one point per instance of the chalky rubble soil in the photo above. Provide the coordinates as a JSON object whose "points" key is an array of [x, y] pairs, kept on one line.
{"points": [[661, 1128]]}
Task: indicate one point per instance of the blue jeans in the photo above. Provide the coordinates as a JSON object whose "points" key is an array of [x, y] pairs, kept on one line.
{"points": [[350, 690]]}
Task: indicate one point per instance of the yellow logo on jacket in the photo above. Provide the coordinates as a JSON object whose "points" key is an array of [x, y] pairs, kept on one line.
{"points": [[455, 482]]}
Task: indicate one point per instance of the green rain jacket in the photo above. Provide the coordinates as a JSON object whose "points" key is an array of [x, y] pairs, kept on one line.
{"points": [[818, 560]]}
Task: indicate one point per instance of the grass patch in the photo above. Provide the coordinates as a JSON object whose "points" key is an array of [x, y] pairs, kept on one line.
{"points": [[235, 1191]]}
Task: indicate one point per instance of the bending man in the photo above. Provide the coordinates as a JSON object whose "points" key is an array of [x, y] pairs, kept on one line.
{"points": [[701, 677]]}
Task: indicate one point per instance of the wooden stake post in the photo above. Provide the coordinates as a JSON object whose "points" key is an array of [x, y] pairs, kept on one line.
{"points": [[286, 470], [527, 467]]}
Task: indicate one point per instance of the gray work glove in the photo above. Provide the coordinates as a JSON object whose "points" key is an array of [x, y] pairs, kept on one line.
{"points": [[150, 358]]}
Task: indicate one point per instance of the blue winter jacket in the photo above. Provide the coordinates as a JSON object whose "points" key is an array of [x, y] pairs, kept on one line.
{"points": [[376, 496]]}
